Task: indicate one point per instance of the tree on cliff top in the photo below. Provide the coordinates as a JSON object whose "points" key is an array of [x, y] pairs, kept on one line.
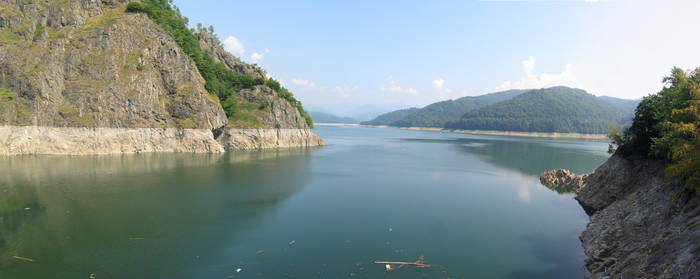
{"points": [[666, 126], [219, 80]]}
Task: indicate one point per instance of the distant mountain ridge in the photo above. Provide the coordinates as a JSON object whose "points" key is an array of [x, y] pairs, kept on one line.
{"points": [[390, 117], [556, 109], [438, 114], [324, 117]]}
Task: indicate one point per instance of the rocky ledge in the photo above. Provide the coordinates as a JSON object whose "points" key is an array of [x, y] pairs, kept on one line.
{"points": [[563, 181], [16, 140], [641, 225]]}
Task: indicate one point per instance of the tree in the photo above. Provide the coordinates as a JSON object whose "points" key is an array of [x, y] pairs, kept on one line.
{"points": [[666, 127]]}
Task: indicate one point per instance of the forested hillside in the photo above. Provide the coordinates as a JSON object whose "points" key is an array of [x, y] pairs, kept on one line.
{"points": [[557, 109], [389, 117], [437, 114]]}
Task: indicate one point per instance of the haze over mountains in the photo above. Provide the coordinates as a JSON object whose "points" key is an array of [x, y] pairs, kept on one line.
{"points": [[555, 109], [324, 117]]}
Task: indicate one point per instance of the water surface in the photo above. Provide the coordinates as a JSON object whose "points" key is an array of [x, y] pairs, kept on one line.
{"points": [[470, 203]]}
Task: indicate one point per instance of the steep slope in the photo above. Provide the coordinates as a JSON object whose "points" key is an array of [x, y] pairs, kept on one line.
{"points": [[389, 117], [437, 114], [642, 225], [93, 67], [89, 64], [628, 105], [322, 117], [557, 109]]}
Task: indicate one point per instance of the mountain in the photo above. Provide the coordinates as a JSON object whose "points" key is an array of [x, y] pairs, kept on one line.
{"points": [[116, 65], [437, 114], [629, 105], [369, 111], [323, 117], [390, 117], [557, 109]]}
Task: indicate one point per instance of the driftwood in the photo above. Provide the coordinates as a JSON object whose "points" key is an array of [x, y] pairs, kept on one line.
{"points": [[23, 259], [418, 263]]}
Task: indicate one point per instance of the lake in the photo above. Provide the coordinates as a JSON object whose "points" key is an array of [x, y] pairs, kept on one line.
{"points": [[472, 204]]}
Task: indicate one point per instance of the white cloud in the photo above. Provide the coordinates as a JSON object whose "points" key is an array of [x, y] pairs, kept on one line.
{"points": [[441, 91], [532, 80], [255, 57], [303, 82], [233, 45], [590, 1], [394, 87]]}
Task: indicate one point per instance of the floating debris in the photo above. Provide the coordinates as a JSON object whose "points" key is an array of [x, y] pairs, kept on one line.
{"points": [[92, 275], [259, 252], [27, 208], [136, 238], [238, 270], [292, 242], [390, 229], [23, 259], [390, 265]]}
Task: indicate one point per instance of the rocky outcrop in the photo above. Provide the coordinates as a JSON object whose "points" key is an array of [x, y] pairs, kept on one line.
{"points": [[87, 141], [641, 224], [563, 181], [91, 64], [252, 139], [115, 82], [211, 44]]}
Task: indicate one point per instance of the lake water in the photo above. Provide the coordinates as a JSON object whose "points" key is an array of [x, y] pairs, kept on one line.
{"points": [[472, 204]]}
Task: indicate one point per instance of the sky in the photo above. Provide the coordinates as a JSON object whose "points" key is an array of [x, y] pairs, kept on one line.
{"points": [[342, 56]]}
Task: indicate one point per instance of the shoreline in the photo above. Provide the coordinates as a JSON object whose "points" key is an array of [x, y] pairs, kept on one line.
{"points": [[45, 140], [337, 124], [499, 133]]}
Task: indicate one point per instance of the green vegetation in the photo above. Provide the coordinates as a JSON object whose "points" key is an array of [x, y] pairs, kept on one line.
{"points": [[38, 30], [665, 126], [390, 117], [6, 36], [107, 18], [557, 109], [220, 81], [6, 95], [438, 114]]}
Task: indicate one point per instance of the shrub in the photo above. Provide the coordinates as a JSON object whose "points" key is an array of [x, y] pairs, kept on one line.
{"points": [[219, 80], [666, 127]]}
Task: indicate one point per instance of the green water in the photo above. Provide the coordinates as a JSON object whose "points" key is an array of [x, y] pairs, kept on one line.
{"points": [[472, 204]]}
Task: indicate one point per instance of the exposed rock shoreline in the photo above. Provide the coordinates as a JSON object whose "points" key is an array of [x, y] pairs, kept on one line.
{"points": [[641, 225], [20, 140]]}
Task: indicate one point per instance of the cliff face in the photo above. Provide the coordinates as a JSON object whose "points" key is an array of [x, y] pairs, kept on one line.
{"points": [[262, 101], [89, 64], [641, 225]]}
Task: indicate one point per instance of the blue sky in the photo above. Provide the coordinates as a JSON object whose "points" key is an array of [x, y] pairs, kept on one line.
{"points": [[341, 55]]}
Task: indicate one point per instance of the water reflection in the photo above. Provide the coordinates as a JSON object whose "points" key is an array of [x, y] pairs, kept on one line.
{"points": [[111, 214], [528, 156]]}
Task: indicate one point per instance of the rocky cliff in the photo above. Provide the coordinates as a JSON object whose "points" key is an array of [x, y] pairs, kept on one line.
{"points": [[89, 64], [641, 225]]}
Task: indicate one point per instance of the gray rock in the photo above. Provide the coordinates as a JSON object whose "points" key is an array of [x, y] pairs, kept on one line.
{"points": [[96, 66], [562, 180], [641, 224], [89, 64]]}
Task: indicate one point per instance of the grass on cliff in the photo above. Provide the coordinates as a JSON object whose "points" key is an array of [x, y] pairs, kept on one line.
{"points": [[220, 81], [667, 126]]}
